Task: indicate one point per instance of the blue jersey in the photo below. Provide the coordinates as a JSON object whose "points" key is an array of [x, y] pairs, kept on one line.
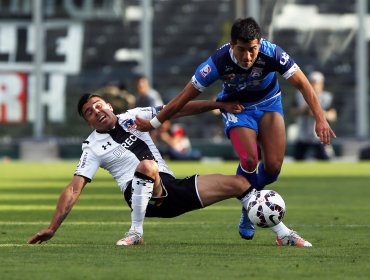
{"points": [[248, 86]]}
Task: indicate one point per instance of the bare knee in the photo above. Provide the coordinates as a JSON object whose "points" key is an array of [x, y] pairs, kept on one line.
{"points": [[148, 168], [273, 167], [249, 163]]}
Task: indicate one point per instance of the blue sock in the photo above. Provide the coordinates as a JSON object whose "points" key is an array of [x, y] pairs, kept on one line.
{"points": [[258, 179], [251, 176], [264, 178]]}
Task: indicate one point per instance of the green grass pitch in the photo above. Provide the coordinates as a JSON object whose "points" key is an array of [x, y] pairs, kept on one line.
{"points": [[327, 203]]}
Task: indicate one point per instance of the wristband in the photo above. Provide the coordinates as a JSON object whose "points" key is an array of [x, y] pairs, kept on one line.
{"points": [[155, 122]]}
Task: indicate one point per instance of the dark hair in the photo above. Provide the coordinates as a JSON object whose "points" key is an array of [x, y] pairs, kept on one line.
{"points": [[83, 100], [245, 30]]}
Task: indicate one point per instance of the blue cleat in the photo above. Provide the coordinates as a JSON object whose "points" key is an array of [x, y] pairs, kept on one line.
{"points": [[246, 227]]}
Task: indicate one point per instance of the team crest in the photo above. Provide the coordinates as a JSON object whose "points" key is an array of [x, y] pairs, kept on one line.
{"points": [[228, 77], [260, 61], [129, 124], [256, 72], [205, 70], [228, 68]]}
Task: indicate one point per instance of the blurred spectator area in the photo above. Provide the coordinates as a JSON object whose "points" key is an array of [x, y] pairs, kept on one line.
{"points": [[185, 33], [321, 35]]}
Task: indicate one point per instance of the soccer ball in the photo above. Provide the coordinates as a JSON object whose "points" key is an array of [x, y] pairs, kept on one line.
{"points": [[266, 208]]}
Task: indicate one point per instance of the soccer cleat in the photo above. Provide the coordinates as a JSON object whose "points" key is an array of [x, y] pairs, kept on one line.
{"points": [[246, 227], [131, 238], [293, 239]]}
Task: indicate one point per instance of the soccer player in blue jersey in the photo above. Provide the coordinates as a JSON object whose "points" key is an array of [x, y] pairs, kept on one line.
{"points": [[247, 67]]}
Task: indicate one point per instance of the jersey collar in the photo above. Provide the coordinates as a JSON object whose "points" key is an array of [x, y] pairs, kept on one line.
{"points": [[233, 58]]}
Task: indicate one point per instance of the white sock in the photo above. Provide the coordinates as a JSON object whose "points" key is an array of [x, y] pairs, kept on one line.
{"points": [[142, 190], [246, 198], [281, 230]]}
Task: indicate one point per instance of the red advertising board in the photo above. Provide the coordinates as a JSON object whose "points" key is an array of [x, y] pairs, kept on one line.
{"points": [[13, 97]]}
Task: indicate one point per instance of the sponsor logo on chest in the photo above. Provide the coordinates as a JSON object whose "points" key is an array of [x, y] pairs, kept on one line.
{"points": [[129, 141], [122, 148]]}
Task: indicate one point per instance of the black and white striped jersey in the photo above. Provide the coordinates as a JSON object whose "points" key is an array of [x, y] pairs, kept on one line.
{"points": [[120, 150]]}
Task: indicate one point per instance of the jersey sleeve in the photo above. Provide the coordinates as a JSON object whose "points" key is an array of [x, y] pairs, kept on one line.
{"points": [[205, 75], [88, 165], [157, 109], [286, 66], [143, 112]]}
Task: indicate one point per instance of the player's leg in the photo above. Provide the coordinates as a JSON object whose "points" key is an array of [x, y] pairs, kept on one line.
{"points": [[213, 188], [244, 141], [272, 142], [146, 181], [146, 175]]}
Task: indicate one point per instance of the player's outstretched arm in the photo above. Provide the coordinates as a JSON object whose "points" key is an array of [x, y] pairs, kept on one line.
{"points": [[67, 199], [174, 106], [201, 106], [322, 129]]}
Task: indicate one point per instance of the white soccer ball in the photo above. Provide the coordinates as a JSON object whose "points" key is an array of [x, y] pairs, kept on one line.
{"points": [[266, 208]]}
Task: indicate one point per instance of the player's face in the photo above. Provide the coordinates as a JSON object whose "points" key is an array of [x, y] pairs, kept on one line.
{"points": [[99, 114], [246, 53]]}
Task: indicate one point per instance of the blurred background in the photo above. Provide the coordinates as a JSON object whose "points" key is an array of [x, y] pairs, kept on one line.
{"points": [[52, 51]]}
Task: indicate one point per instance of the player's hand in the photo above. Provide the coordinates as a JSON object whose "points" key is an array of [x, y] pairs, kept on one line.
{"points": [[143, 124], [233, 107], [41, 236], [324, 132]]}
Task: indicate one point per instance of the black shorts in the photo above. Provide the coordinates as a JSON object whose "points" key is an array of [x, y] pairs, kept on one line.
{"points": [[180, 196]]}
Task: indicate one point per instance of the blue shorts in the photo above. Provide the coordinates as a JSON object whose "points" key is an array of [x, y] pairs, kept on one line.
{"points": [[251, 115]]}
